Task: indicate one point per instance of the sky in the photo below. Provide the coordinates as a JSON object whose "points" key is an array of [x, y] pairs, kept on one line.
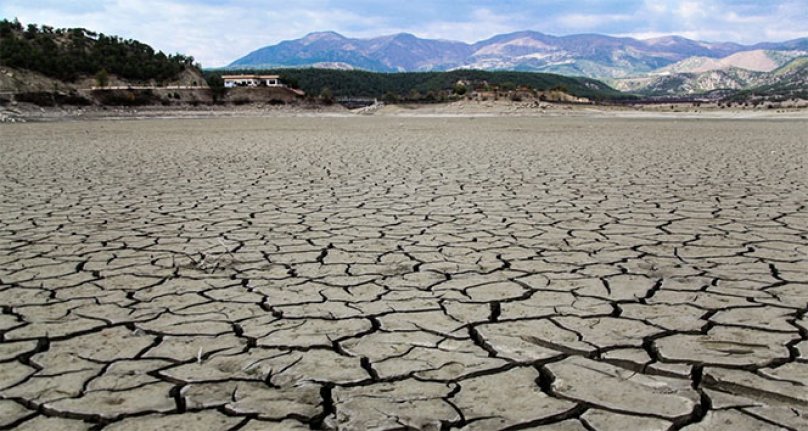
{"points": [[219, 32]]}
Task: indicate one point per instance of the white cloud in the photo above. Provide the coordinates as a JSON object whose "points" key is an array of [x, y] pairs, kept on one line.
{"points": [[720, 20], [586, 22], [482, 24], [691, 10], [217, 33]]}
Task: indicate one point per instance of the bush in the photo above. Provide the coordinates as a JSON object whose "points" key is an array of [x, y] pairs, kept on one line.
{"points": [[459, 89], [102, 78], [390, 97], [327, 96], [560, 88]]}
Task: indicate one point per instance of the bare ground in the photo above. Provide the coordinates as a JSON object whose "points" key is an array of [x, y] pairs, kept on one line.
{"points": [[391, 273]]}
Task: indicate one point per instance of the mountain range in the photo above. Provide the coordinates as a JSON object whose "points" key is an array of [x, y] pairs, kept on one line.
{"points": [[591, 55]]}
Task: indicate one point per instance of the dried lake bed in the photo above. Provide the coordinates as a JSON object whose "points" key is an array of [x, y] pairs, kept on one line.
{"points": [[404, 273]]}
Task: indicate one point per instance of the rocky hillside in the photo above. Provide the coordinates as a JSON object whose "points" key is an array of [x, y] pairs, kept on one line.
{"points": [[755, 61], [688, 84], [588, 55], [50, 67], [773, 72], [13, 80], [789, 81]]}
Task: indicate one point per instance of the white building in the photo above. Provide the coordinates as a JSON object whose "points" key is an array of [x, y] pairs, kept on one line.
{"points": [[232, 81]]}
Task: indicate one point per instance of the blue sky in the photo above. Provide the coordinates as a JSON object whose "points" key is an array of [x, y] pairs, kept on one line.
{"points": [[218, 32]]}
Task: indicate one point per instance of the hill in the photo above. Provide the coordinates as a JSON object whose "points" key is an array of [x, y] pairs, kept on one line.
{"points": [[71, 54], [691, 84], [428, 86], [755, 61], [788, 80], [590, 55]]}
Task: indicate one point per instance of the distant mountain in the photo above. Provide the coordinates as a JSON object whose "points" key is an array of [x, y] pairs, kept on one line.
{"points": [[756, 61], [397, 53], [788, 81], [702, 77], [590, 55]]}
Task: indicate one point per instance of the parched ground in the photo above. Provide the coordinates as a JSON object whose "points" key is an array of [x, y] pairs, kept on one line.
{"points": [[404, 273]]}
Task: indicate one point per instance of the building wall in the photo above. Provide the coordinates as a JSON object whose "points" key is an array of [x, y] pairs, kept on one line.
{"points": [[241, 83], [251, 83]]}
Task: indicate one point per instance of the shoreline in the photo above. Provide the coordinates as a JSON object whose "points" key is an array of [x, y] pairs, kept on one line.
{"points": [[26, 113]]}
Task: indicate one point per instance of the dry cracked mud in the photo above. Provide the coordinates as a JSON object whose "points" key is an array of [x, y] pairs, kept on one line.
{"points": [[404, 273]]}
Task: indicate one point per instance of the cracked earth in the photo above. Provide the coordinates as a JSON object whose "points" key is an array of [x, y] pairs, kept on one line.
{"points": [[404, 273]]}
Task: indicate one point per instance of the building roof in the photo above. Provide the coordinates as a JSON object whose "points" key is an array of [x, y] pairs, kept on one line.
{"points": [[251, 76]]}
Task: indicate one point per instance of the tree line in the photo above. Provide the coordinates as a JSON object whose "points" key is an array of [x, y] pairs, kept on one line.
{"points": [[69, 54], [423, 86]]}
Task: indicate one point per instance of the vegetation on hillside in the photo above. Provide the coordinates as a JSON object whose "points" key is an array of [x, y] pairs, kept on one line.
{"points": [[68, 54], [787, 82], [424, 86]]}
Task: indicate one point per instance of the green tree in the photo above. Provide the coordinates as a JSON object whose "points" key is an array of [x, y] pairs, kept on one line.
{"points": [[102, 78], [216, 84], [459, 89], [67, 54], [290, 81]]}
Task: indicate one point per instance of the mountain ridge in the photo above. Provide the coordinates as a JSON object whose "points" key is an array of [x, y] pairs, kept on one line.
{"points": [[590, 55]]}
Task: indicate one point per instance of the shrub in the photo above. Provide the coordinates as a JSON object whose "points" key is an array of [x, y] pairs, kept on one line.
{"points": [[327, 96], [459, 89], [102, 78], [390, 97]]}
